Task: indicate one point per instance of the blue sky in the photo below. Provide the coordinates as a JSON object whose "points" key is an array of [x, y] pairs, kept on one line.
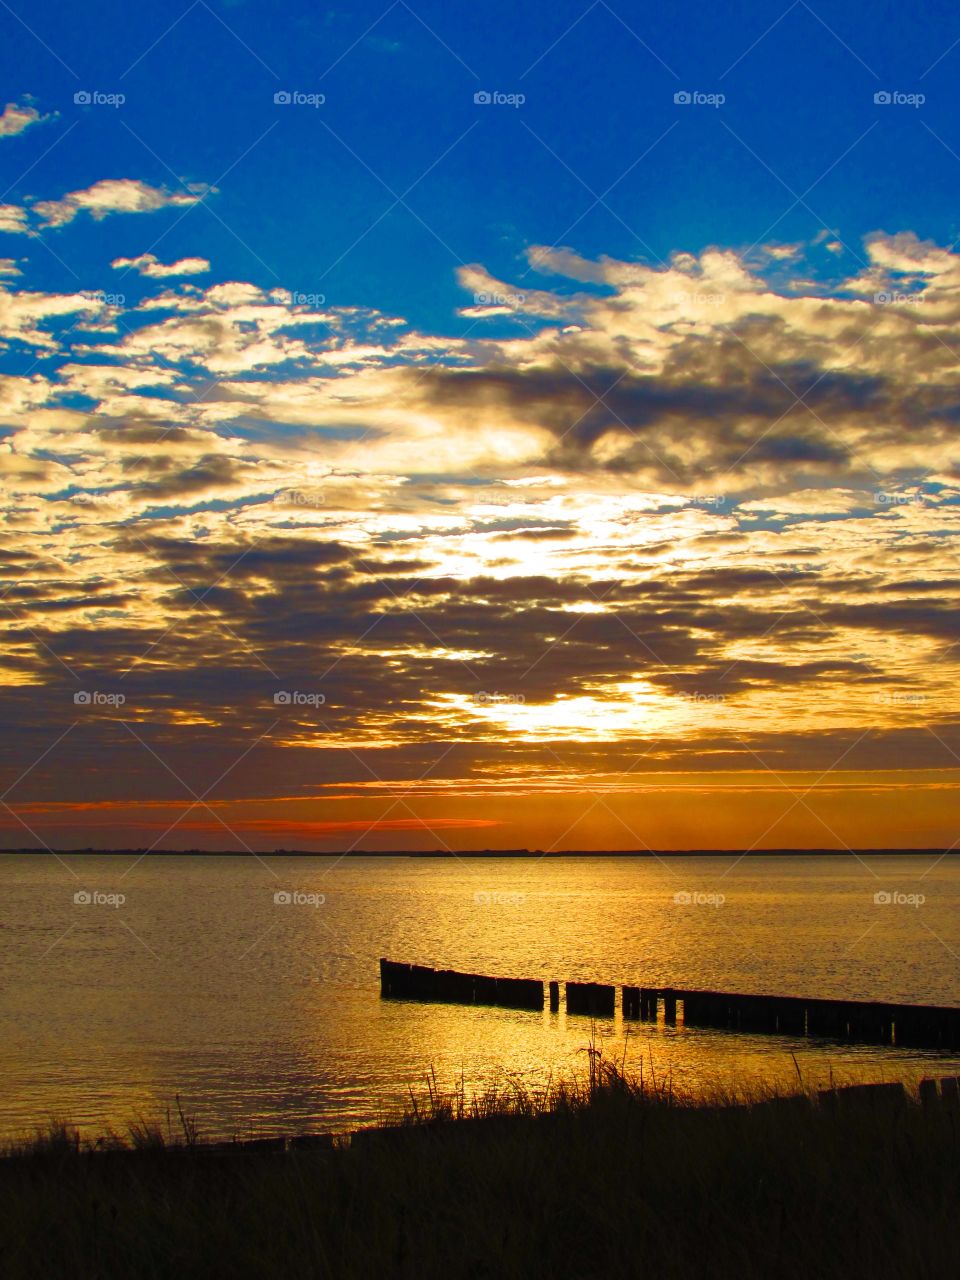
{"points": [[199, 82], [404, 463]]}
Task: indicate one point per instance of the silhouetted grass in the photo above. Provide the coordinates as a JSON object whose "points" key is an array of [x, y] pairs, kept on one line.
{"points": [[606, 1176]]}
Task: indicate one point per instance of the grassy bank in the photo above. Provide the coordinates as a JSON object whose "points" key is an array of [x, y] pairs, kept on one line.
{"points": [[605, 1179]]}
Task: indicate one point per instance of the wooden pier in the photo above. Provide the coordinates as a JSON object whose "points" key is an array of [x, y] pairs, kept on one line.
{"points": [[917, 1026], [416, 982]]}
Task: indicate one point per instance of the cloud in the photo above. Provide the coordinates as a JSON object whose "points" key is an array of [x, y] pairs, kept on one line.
{"points": [[13, 219], [907, 254], [8, 267], [15, 119], [151, 267], [687, 513], [116, 195], [23, 313]]}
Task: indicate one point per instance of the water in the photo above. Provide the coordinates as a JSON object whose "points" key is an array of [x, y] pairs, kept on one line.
{"points": [[265, 1017]]}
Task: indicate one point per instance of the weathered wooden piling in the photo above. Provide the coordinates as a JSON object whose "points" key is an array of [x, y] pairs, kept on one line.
{"points": [[630, 1002], [929, 1092], [753, 1013], [484, 990], [595, 998], [950, 1092], [648, 1004], [705, 1009], [825, 1018], [926, 1026], [454, 988], [519, 993], [872, 1022], [869, 1022], [423, 982], [791, 1016], [417, 982], [395, 979]]}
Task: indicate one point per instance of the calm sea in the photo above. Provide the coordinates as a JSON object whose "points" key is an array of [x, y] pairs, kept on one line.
{"points": [[264, 1015]]}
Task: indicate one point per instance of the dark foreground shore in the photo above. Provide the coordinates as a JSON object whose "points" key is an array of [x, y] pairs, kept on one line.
{"points": [[609, 1182]]}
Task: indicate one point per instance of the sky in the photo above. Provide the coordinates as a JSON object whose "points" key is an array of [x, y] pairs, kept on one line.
{"points": [[456, 427]]}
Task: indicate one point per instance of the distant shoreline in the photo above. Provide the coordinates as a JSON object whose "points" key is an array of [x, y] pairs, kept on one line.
{"points": [[463, 854]]}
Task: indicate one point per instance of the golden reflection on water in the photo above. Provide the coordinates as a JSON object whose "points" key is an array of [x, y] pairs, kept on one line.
{"points": [[266, 1017]]}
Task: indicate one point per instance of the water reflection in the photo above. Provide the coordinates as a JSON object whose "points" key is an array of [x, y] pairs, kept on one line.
{"points": [[266, 1017]]}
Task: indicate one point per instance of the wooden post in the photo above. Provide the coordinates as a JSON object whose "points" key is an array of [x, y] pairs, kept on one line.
{"points": [[595, 998], [950, 1091], [929, 1093]]}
